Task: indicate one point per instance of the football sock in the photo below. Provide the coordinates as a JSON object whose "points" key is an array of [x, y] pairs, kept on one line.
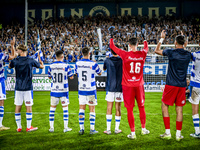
{"points": [[81, 118], [51, 116], [196, 123], [18, 120], [132, 133], [167, 124], [65, 117], [1, 114], [131, 119], [117, 122], [92, 120], [109, 119], [142, 117], [28, 119], [178, 128]]}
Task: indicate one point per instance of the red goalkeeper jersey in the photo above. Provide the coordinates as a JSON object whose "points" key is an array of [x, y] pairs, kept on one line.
{"points": [[133, 63]]}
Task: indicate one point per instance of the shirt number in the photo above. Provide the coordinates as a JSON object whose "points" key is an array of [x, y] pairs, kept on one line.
{"points": [[57, 77], [84, 75], [137, 67]]}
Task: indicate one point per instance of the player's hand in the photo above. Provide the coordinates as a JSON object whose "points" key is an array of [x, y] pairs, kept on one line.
{"points": [[182, 33], [12, 43], [163, 33]]}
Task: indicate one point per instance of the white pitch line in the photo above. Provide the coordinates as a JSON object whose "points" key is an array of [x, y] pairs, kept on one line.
{"points": [[153, 114]]}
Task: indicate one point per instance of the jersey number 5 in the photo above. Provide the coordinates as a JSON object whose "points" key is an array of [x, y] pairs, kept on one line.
{"points": [[137, 67]]}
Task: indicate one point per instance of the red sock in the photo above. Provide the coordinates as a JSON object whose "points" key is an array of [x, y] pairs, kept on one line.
{"points": [[131, 119], [142, 116], [166, 122], [179, 125]]}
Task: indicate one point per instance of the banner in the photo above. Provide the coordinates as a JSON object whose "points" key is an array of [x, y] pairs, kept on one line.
{"points": [[44, 84]]}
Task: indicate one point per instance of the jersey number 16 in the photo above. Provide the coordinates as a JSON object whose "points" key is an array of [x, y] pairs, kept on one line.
{"points": [[137, 67]]}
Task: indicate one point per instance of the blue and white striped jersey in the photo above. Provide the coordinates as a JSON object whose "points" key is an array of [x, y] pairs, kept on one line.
{"points": [[86, 70], [195, 72], [3, 57], [59, 72]]}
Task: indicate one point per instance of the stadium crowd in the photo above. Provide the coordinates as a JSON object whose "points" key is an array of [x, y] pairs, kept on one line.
{"points": [[71, 34]]}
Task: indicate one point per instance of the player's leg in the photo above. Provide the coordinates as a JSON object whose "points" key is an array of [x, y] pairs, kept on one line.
{"points": [[65, 103], [118, 101], [140, 97], [82, 106], [92, 119], [18, 102], [180, 102], [54, 103], [3, 96], [81, 118], [168, 98], [92, 102], [110, 99], [194, 100], [129, 103], [28, 97]]}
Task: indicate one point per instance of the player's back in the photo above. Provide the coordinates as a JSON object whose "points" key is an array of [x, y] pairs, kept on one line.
{"points": [[23, 69], [59, 71], [195, 72], [133, 63], [85, 70], [114, 74], [178, 64]]}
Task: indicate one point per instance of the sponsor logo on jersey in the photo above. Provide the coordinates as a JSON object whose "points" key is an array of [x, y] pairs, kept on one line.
{"points": [[135, 58]]}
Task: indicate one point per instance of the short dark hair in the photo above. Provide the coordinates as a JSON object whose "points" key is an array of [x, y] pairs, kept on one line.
{"points": [[113, 52], [85, 51], [133, 41], [22, 47], [59, 53], [180, 39]]}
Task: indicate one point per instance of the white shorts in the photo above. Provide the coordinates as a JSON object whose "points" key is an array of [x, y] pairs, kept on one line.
{"points": [[114, 96], [2, 90], [195, 97], [24, 96], [87, 99], [55, 101]]}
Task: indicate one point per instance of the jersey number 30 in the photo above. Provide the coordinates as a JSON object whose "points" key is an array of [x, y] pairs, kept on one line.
{"points": [[57, 77], [137, 67]]}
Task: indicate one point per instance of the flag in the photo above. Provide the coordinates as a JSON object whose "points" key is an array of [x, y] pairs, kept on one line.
{"points": [[100, 38], [38, 49]]}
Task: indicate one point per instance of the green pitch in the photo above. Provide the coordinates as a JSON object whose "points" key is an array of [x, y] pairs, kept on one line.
{"points": [[42, 139]]}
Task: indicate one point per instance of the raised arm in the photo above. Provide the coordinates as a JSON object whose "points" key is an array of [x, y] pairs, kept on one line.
{"points": [[40, 61], [114, 48], [12, 43], [146, 48], [158, 50]]}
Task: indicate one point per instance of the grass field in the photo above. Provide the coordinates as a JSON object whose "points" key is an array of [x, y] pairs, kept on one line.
{"points": [[42, 139]]}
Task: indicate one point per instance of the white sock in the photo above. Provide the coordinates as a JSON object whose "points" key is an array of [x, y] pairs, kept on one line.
{"points": [[92, 120], [109, 119], [143, 129], [117, 122], [18, 120], [132, 133], [51, 116], [196, 123], [178, 132], [28, 119], [1, 114], [81, 118], [65, 117], [167, 131]]}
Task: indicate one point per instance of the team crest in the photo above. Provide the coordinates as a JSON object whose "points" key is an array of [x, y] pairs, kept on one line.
{"points": [[183, 102], [63, 102], [118, 98], [90, 102]]}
